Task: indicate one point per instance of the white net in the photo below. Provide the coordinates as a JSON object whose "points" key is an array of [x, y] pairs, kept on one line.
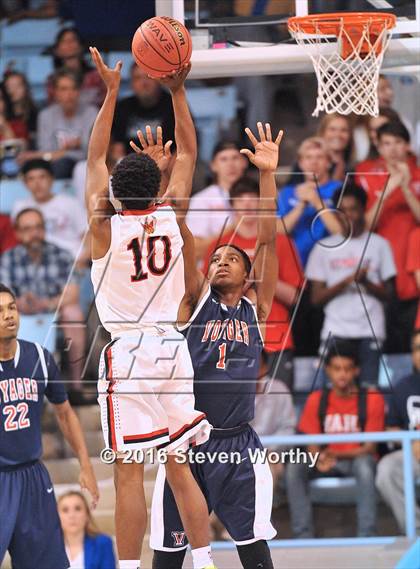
{"points": [[347, 64]]}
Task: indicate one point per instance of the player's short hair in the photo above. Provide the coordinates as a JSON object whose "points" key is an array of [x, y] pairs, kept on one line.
{"points": [[7, 290], [351, 190], [67, 74], [312, 142], [341, 349], [36, 164], [224, 145], [245, 185], [136, 181], [394, 128], [245, 257]]}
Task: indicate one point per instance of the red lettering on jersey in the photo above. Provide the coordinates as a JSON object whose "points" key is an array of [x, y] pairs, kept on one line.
{"points": [[238, 335], [207, 330], [222, 335], [216, 330], [34, 389], [3, 386], [245, 332], [20, 389], [12, 389], [230, 331], [27, 384]]}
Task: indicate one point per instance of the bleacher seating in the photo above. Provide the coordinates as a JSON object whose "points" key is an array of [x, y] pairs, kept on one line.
{"points": [[213, 109], [13, 190], [28, 37], [39, 328]]}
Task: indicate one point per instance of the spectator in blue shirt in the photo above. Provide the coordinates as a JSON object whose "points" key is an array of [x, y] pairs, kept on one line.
{"points": [[86, 546], [304, 208], [403, 414]]}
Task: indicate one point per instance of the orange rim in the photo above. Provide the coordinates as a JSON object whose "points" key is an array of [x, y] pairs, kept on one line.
{"points": [[333, 24]]}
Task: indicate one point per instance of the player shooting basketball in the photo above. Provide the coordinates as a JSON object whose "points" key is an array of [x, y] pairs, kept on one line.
{"points": [[145, 385], [223, 319]]}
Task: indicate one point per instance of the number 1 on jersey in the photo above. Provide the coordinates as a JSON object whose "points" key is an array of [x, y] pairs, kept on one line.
{"points": [[221, 364]]}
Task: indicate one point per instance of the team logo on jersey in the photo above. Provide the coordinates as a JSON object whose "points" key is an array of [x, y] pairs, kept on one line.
{"points": [[179, 538], [149, 226]]}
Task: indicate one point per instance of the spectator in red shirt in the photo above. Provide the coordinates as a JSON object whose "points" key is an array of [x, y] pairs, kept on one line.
{"points": [[392, 183], [413, 266], [344, 413], [7, 234], [244, 199]]}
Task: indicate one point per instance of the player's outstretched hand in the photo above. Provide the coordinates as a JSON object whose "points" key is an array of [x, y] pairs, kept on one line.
{"points": [[87, 481], [159, 152], [175, 80], [266, 152], [111, 77]]}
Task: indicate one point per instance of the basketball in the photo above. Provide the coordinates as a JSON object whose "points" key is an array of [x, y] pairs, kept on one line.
{"points": [[161, 45]]}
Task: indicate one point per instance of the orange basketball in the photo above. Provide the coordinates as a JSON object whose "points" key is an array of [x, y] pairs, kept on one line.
{"points": [[161, 45]]}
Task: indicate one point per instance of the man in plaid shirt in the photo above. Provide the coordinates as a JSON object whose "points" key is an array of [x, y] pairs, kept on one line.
{"points": [[39, 273]]}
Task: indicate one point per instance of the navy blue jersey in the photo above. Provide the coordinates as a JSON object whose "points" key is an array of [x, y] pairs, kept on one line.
{"points": [[404, 404], [225, 346], [23, 383]]}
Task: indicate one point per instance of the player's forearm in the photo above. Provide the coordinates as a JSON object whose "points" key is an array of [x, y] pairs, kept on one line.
{"points": [[101, 132], [267, 219], [185, 135], [72, 432]]}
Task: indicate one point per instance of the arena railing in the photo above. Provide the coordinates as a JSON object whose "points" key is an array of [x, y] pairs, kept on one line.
{"points": [[405, 437]]}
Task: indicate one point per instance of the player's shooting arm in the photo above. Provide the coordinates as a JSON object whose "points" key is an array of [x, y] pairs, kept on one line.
{"points": [[180, 182], [70, 427], [265, 267], [97, 181]]}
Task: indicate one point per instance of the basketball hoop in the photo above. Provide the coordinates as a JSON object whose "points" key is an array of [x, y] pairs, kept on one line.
{"points": [[346, 50]]}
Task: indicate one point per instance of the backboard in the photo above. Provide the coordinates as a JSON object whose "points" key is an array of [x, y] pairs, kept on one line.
{"points": [[258, 42]]}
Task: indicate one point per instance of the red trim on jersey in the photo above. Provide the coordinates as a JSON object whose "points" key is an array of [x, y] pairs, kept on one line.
{"points": [[110, 405], [187, 427], [147, 436], [150, 209]]}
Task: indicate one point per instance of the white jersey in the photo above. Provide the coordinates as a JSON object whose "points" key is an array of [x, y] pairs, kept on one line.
{"points": [[140, 281]]}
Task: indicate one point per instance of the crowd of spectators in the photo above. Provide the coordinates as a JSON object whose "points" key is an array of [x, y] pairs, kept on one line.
{"points": [[348, 245]]}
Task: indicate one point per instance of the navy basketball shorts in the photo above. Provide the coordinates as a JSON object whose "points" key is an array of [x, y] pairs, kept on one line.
{"points": [[29, 522], [239, 491]]}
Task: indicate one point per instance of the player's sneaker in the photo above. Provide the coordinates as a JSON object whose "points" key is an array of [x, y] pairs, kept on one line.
{"points": [[210, 567]]}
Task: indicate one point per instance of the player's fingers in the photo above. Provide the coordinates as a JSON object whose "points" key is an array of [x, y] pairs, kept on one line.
{"points": [[135, 147], [279, 137], [159, 136], [261, 131], [149, 135], [251, 136], [268, 131], [142, 139], [247, 153], [118, 66], [167, 148]]}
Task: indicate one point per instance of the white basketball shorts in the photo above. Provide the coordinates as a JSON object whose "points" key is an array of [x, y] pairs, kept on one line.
{"points": [[146, 393]]}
